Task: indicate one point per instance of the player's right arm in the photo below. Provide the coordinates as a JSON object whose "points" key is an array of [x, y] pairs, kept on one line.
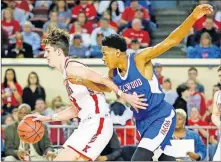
{"points": [[176, 36], [216, 113], [85, 73], [69, 113]]}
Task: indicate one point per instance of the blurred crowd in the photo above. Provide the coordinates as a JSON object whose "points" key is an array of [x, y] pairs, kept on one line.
{"points": [[189, 98], [26, 22], [204, 39]]}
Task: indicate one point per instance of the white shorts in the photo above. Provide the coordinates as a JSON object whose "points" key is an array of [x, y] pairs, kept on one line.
{"points": [[217, 156], [91, 137]]}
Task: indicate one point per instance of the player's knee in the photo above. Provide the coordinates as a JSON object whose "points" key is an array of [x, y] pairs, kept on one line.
{"points": [[142, 154], [67, 154], [10, 158]]}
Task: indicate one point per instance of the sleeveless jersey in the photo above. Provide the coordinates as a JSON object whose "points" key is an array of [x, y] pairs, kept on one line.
{"points": [[218, 100], [134, 81], [87, 101]]}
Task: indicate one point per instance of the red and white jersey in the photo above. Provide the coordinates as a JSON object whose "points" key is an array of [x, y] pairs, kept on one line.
{"points": [[218, 99], [87, 101]]}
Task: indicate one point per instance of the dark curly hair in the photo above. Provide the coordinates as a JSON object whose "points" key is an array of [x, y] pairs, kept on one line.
{"points": [[58, 38], [115, 41]]}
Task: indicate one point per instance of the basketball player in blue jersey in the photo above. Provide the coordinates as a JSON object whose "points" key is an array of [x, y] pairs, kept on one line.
{"points": [[134, 74]]}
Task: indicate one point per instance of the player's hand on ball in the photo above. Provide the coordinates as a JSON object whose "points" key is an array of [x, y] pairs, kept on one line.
{"points": [[21, 155], [38, 117], [50, 155], [136, 101], [201, 10]]}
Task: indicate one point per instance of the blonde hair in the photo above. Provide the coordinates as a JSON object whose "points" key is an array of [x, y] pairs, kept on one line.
{"points": [[206, 35], [11, 12], [181, 112], [58, 38]]}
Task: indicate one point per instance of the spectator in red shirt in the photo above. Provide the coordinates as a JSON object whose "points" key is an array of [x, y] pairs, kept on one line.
{"points": [[121, 115], [86, 25], [55, 132], [129, 12], [85, 7], [136, 32], [196, 99], [200, 23], [24, 5], [9, 23], [11, 91], [195, 120]]}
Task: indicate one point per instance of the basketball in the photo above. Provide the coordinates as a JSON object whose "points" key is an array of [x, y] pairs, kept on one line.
{"points": [[30, 131]]}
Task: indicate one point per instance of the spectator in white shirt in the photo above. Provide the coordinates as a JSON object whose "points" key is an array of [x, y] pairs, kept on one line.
{"points": [[104, 28], [86, 40], [103, 6], [170, 95]]}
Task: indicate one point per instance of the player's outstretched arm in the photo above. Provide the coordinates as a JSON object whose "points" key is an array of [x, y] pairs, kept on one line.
{"points": [[66, 114], [176, 36], [86, 73], [216, 114]]}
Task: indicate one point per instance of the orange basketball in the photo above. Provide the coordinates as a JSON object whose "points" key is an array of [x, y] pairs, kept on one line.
{"points": [[30, 131]]}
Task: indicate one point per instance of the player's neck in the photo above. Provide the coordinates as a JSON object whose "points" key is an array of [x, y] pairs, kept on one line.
{"points": [[123, 63], [61, 65]]}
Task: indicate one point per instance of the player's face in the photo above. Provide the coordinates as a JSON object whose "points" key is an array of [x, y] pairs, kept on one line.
{"points": [[51, 54], [180, 122], [110, 57]]}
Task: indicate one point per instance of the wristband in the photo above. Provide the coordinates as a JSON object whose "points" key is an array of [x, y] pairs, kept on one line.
{"points": [[119, 93], [54, 117]]}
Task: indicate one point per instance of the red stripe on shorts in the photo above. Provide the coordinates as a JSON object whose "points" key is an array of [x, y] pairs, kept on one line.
{"points": [[79, 153], [94, 96], [101, 124]]}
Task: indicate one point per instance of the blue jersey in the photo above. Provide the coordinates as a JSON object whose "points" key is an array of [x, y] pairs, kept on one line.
{"points": [[134, 81]]}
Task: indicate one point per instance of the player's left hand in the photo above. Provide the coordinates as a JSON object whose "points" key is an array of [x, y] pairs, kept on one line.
{"points": [[136, 101], [193, 155], [50, 155], [201, 10], [102, 158]]}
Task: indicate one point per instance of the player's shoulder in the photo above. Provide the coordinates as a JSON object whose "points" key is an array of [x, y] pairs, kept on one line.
{"points": [[72, 62]]}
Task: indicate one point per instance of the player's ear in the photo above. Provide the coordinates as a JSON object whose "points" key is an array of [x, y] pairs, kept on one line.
{"points": [[59, 52], [118, 53]]}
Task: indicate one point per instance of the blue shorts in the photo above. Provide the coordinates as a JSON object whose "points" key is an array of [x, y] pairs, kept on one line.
{"points": [[157, 129]]}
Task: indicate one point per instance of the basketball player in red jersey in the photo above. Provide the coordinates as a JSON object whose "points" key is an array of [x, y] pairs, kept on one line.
{"points": [[85, 88]]}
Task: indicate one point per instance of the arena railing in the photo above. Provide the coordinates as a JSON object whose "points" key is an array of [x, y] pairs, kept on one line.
{"points": [[99, 62], [70, 127]]}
